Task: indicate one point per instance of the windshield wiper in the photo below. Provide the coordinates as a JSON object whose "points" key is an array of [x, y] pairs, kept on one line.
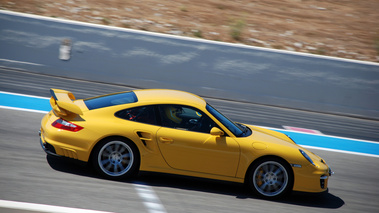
{"points": [[244, 129]]}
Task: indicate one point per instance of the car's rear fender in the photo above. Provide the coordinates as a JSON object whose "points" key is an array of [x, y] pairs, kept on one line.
{"points": [[108, 138], [149, 161]]}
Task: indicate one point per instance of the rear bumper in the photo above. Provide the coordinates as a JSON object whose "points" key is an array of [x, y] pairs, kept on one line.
{"points": [[48, 148], [50, 151]]}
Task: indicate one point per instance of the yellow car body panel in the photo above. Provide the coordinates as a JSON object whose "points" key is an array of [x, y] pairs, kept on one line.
{"points": [[198, 152], [176, 151]]}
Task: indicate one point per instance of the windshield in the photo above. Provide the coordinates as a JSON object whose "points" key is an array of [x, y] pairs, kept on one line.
{"points": [[237, 130]]}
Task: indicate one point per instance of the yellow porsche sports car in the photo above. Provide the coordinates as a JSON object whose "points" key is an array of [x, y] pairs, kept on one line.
{"points": [[176, 132]]}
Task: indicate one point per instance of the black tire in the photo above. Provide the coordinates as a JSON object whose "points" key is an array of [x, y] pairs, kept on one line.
{"points": [[116, 159], [270, 178]]}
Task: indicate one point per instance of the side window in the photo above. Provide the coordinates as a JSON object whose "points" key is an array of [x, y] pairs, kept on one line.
{"points": [[144, 114], [184, 117]]}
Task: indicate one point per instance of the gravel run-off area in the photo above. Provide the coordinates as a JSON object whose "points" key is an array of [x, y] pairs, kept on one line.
{"points": [[339, 28]]}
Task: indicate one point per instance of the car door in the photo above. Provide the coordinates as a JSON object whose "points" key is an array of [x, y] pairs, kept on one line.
{"points": [[186, 143]]}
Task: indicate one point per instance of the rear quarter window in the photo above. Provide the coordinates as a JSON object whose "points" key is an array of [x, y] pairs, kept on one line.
{"points": [[143, 114], [110, 100]]}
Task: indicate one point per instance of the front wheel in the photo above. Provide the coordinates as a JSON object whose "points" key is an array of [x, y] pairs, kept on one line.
{"points": [[116, 159], [270, 178]]}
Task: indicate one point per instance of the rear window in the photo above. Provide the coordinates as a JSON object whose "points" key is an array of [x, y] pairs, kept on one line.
{"points": [[110, 100]]}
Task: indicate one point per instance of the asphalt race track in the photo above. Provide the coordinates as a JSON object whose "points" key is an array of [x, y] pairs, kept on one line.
{"points": [[39, 85], [27, 175]]}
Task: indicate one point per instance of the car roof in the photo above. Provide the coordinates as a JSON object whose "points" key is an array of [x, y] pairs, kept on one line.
{"points": [[162, 96]]}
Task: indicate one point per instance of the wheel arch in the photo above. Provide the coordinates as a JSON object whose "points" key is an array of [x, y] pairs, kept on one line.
{"points": [[268, 157], [112, 137]]}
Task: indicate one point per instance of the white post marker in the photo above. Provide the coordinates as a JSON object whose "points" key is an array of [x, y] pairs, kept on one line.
{"points": [[65, 50]]}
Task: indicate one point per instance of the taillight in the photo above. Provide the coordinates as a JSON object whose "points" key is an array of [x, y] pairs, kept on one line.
{"points": [[62, 124]]}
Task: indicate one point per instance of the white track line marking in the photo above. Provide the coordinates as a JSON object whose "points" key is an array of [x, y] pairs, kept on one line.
{"points": [[19, 94], [22, 109], [323, 135], [340, 151], [20, 62], [43, 208], [150, 199]]}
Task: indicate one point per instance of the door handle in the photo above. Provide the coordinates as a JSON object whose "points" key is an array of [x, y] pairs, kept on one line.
{"points": [[166, 140]]}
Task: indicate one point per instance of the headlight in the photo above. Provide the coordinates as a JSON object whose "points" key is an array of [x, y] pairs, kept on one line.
{"points": [[307, 157]]}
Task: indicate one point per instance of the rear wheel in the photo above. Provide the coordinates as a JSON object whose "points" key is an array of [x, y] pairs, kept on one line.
{"points": [[270, 178], [116, 159]]}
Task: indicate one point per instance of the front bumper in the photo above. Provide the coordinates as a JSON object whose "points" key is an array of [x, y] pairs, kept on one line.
{"points": [[312, 179], [324, 179], [330, 172]]}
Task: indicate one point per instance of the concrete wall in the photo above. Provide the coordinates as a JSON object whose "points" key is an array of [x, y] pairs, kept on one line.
{"points": [[212, 69]]}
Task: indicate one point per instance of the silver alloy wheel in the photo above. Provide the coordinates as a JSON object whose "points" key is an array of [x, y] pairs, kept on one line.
{"points": [[115, 158], [270, 178]]}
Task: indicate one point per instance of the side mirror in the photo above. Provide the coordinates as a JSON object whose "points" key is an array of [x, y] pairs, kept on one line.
{"points": [[216, 132]]}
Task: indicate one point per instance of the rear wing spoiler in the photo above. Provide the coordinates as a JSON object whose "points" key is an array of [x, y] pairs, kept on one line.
{"points": [[62, 102]]}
